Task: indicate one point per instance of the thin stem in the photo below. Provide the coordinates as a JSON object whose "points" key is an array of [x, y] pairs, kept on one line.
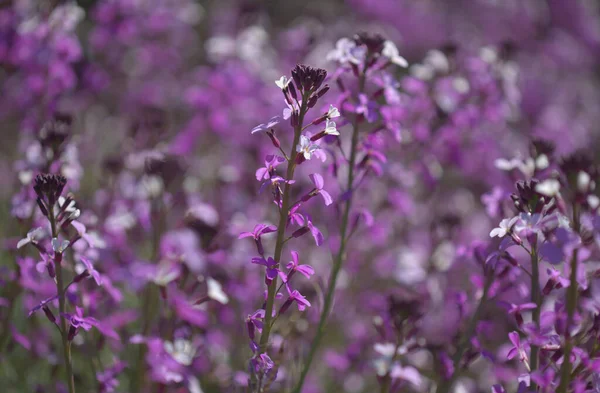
{"points": [[565, 370], [536, 297], [62, 308], [466, 338], [339, 258], [283, 216]]}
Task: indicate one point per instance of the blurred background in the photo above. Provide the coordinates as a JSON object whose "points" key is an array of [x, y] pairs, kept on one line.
{"points": [[192, 78]]}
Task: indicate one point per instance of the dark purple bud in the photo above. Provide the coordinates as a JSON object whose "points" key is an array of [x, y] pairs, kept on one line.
{"points": [[312, 101], [42, 207], [292, 91], [549, 287], [49, 314], [320, 119], [50, 269], [72, 333], [286, 305], [302, 231], [203, 299], [295, 120], [318, 136], [81, 276], [274, 140], [300, 159], [49, 187], [251, 329], [323, 91], [259, 247]]}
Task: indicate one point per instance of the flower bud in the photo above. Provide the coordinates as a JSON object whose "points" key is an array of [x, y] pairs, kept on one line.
{"points": [[292, 91], [72, 333], [312, 101], [273, 138], [81, 276], [49, 314], [285, 305], [323, 91], [300, 232], [251, 329]]}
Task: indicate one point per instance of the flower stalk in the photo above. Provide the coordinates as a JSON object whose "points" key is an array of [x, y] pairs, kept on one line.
{"points": [[340, 256]]}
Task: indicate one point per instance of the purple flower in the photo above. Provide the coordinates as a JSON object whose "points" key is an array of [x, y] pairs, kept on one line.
{"points": [[82, 232], [518, 348], [271, 264], [266, 126], [516, 310], [254, 322], [42, 304], [297, 297], [89, 267], [271, 162], [317, 180], [294, 266], [259, 230]]}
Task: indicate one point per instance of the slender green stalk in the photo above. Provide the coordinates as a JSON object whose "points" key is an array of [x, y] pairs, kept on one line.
{"points": [[536, 297], [565, 370], [339, 258], [283, 216], [62, 308], [466, 338]]}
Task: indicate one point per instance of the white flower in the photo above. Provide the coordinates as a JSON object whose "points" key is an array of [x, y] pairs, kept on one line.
{"points": [[32, 237], [215, 291], [549, 187], [593, 201], [583, 181], [181, 350], [283, 82], [333, 112], [391, 52], [58, 246], [542, 162], [527, 167], [346, 51], [504, 227], [306, 147], [165, 274], [330, 128]]}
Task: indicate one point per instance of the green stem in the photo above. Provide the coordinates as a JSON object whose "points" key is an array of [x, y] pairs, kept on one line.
{"points": [[283, 216], [339, 258], [62, 309], [536, 297], [565, 370], [466, 338]]}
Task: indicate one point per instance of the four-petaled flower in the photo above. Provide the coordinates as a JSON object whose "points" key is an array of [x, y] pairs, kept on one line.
{"points": [[271, 161], [294, 266], [32, 237], [518, 347], [317, 180], [259, 230], [330, 128], [283, 82], [296, 296], [391, 52], [333, 112], [89, 267], [266, 126], [504, 227], [271, 266], [306, 147]]}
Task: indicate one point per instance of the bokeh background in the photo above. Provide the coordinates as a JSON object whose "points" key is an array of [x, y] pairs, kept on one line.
{"points": [[193, 78]]}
